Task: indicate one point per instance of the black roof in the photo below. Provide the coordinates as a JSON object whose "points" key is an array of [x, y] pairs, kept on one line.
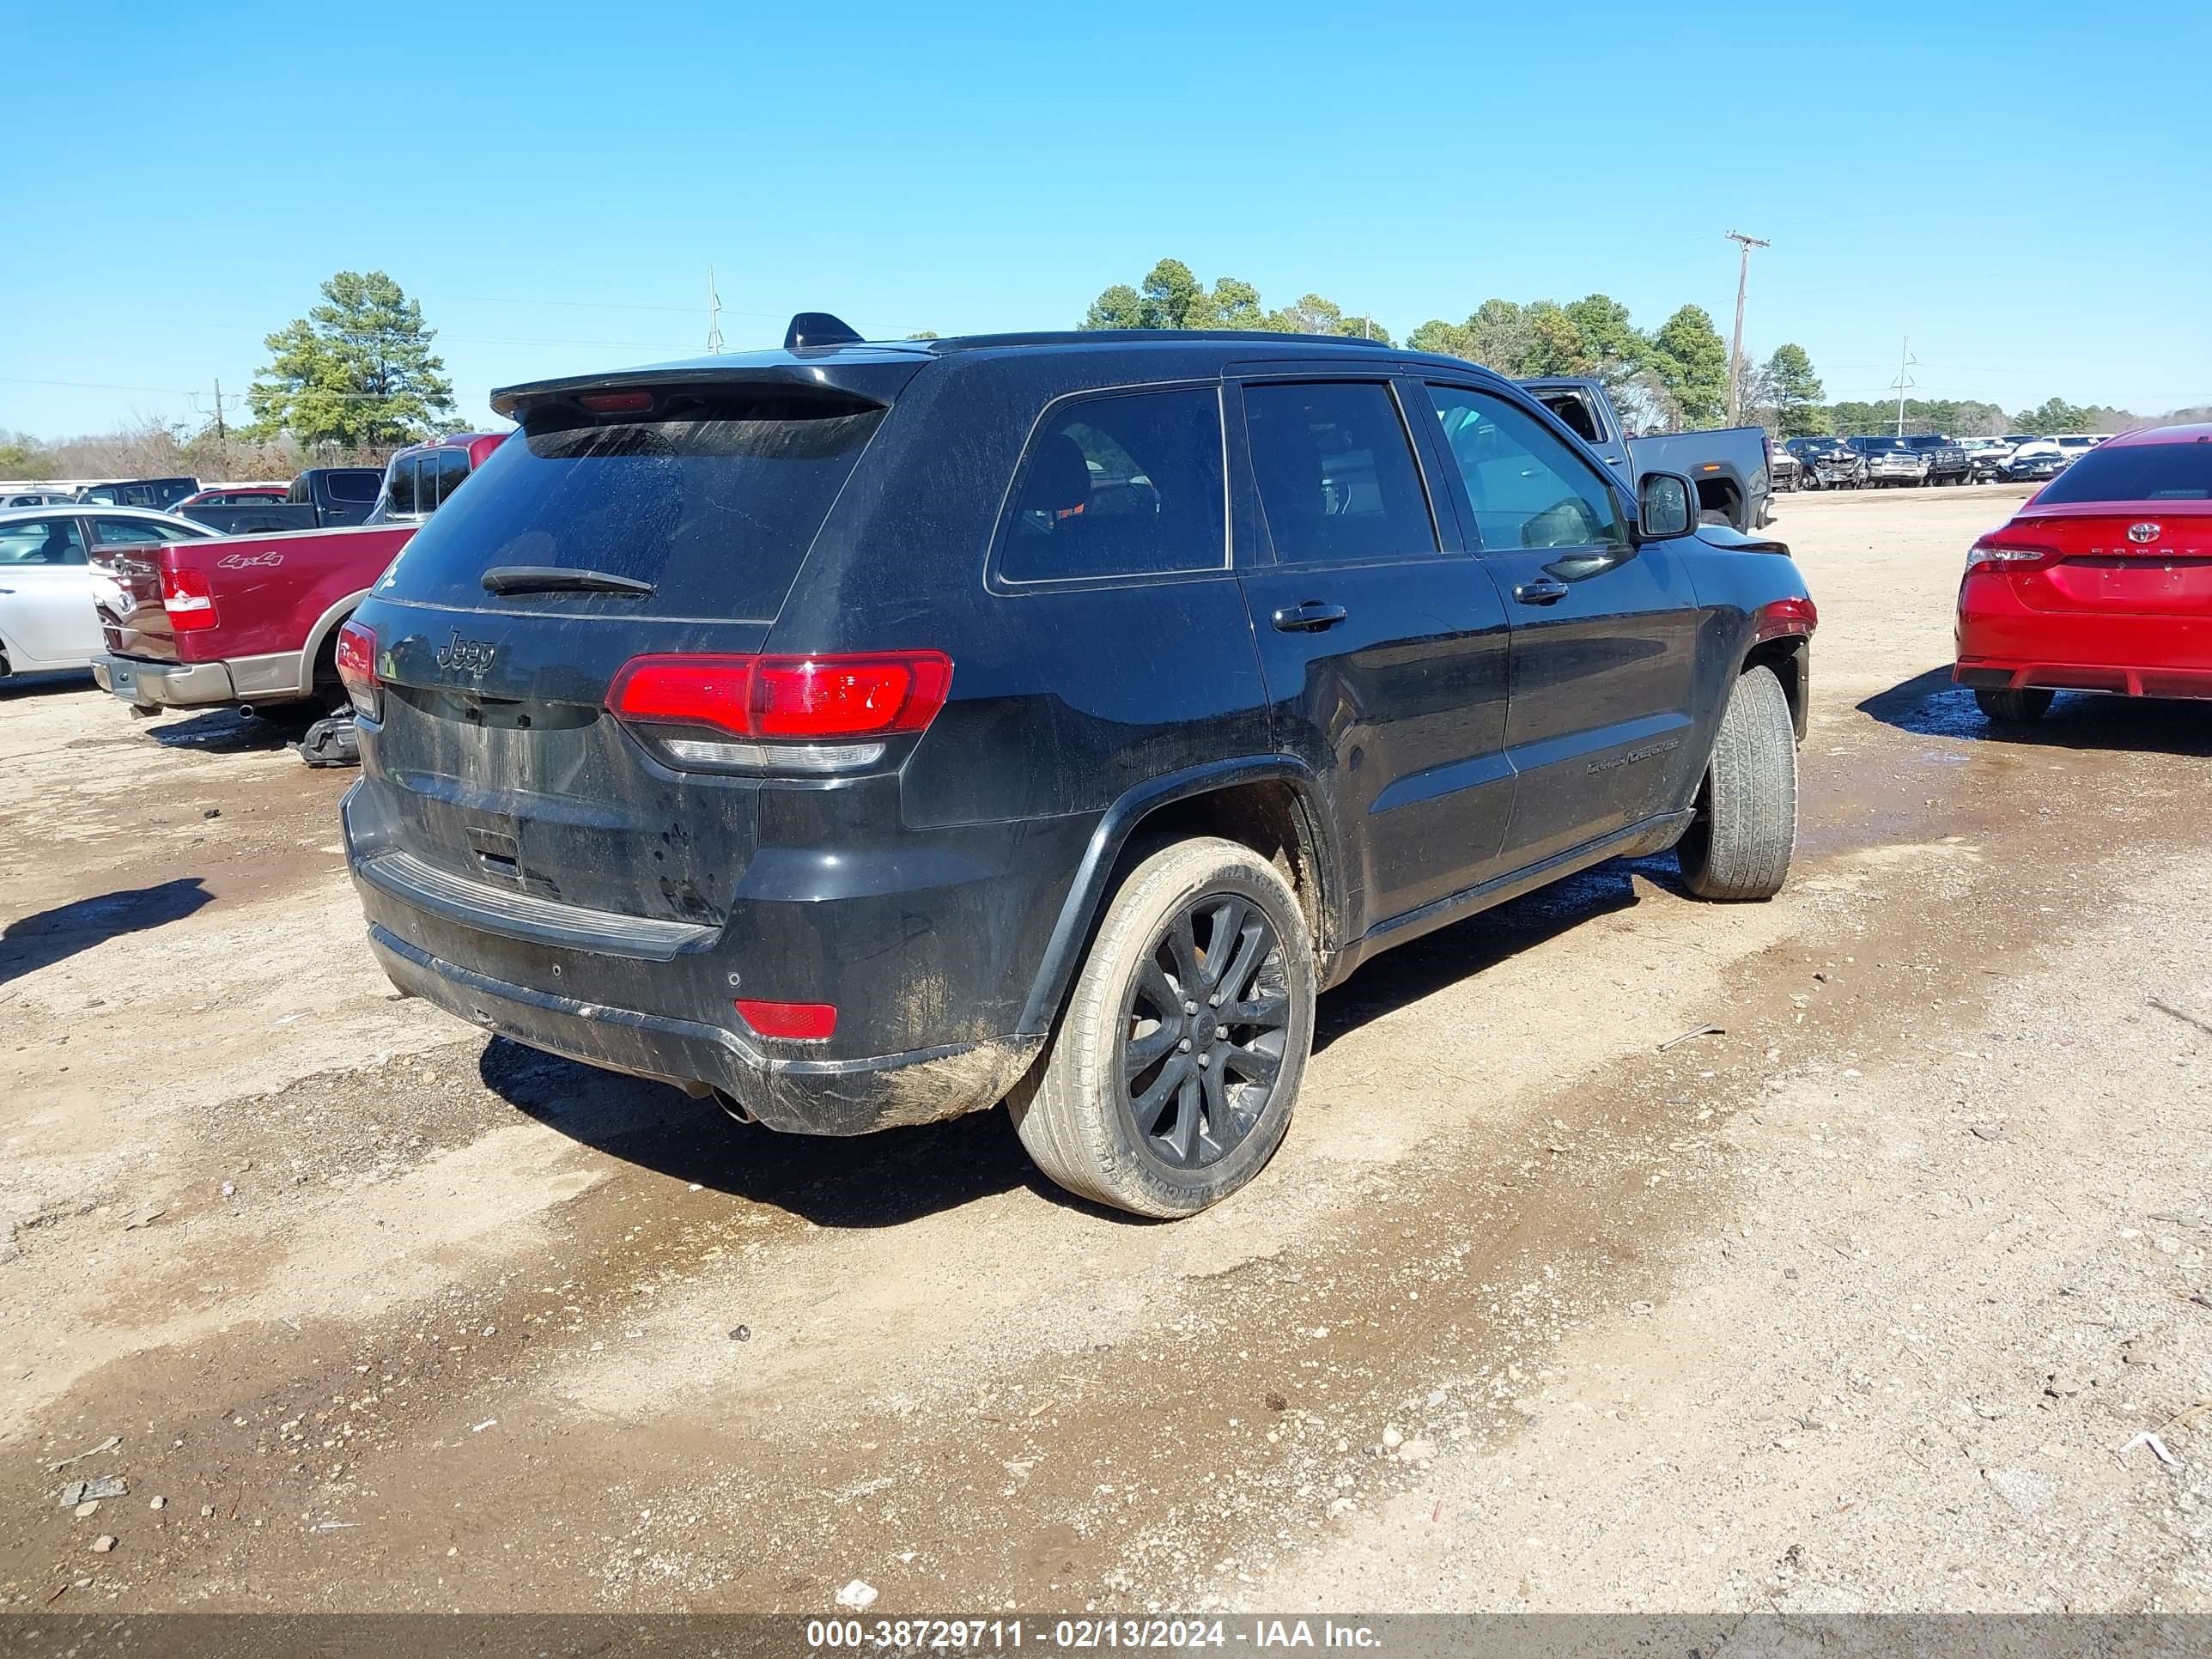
{"points": [[873, 368]]}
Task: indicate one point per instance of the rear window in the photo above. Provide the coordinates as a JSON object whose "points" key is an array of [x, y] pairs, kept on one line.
{"points": [[2137, 472], [716, 508]]}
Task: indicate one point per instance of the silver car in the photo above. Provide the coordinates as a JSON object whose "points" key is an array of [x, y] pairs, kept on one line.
{"points": [[47, 622]]}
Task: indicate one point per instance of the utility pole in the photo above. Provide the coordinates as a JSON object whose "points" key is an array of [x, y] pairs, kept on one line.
{"points": [[1904, 382], [714, 316], [219, 436], [1735, 345]]}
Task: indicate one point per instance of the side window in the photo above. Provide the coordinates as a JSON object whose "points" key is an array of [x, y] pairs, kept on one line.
{"points": [[344, 487], [452, 467], [1528, 489], [1336, 473], [400, 489], [1127, 485], [41, 541]]}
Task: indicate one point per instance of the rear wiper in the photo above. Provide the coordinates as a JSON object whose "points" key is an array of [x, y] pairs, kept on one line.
{"points": [[553, 579]]}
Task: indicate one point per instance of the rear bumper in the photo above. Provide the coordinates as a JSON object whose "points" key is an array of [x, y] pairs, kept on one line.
{"points": [[822, 1098], [1985, 675], [2004, 645], [149, 684]]}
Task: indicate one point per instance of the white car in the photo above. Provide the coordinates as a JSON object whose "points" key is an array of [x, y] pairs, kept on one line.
{"points": [[47, 622]]}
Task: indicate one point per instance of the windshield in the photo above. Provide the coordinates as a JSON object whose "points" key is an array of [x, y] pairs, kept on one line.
{"points": [[2137, 472], [1879, 445]]}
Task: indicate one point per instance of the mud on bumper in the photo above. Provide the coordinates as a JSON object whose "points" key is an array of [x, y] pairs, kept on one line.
{"points": [[805, 1097]]}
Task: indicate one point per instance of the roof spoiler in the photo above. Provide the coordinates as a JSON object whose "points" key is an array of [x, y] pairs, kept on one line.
{"points": [[819, 328]]}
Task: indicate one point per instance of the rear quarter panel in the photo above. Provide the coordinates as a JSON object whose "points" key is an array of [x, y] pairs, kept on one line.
{"points": [[272, 591]]}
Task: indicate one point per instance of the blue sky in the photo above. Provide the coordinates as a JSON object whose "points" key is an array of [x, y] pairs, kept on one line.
{"points": [[2019, 188]]}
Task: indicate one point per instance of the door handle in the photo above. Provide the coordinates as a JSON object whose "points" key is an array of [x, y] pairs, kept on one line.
{"points": [[1545, 590], [1311, 616]]}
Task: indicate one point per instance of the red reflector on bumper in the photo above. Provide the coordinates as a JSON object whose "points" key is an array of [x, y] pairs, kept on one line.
{"points": [[801, 1022]]}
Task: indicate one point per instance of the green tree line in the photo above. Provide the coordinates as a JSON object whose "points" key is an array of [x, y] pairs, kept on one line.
{"points": [[1674, 375]]}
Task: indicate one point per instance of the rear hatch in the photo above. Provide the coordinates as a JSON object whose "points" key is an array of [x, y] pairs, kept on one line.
{"points": [[656, 520]]}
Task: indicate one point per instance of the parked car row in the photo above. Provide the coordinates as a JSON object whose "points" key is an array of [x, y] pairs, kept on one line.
{"points": [[168, 612], [1918, 459]]}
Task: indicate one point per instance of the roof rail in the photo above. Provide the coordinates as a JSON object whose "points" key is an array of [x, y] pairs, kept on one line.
{"points": [[1252, 337]]}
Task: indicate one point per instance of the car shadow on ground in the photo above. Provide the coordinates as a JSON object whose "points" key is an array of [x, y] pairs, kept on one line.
{"points": [[38, 941], [901, 1175], [1929, 706], [30, 685], [222, 732]]}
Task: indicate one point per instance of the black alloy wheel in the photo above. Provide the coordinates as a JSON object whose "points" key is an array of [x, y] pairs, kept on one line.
{"points": [[1203, 1030]]}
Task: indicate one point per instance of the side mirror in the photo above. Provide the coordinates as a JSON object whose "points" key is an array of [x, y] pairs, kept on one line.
{"points": [[1665, 505]]}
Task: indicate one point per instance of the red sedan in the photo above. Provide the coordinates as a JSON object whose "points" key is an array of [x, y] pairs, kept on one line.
{"points": [[2102, 582]]}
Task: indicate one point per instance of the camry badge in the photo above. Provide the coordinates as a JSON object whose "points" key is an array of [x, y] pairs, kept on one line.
{"points": [[2142, 532]]}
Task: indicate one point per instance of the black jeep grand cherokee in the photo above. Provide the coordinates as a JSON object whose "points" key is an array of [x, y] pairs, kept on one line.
{"points": [[868, 733]]}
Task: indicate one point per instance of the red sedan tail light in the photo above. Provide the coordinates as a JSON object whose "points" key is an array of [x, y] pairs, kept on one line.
{"points": [[826, 713], [2009, 549]]}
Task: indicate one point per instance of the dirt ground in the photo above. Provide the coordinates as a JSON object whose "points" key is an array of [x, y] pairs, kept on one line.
{"points": [[1860, 1302]]}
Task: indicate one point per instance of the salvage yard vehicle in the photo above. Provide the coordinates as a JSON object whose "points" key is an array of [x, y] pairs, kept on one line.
{"points": [[1891, 461], [319, 498], [47, 619], [866, 733], [1783, 469], [2036, 461], [2101, 581], [252, 621], [1946, 460], [159, 495], [1729, 466], [1829, 463], [1985, 458]]}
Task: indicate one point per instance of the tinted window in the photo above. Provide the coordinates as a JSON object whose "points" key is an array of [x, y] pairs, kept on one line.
{"points": [[716, 507], [1336, 473], [1528, 488], [452, 466], [2137, 472], [41, 541], [355, 487], [1125, 486], [401, 499]]}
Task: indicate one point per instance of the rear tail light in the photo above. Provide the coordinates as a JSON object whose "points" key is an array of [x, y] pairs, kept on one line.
{"points": [[1779, 617], [2002, 550], [187, 598], [828, 713], [357, 654], [793, 1022]]}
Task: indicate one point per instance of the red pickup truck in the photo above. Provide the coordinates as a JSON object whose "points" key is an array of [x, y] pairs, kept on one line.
{"points": [[252, 621]]}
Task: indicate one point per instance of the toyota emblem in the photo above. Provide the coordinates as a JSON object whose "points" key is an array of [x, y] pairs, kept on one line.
{"points": [[2142, 532]]}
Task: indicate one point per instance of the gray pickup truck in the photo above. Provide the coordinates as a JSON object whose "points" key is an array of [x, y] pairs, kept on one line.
{"points": [[1729, 466]]}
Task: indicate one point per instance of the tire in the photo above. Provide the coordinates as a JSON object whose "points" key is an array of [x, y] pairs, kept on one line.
{"points": [[2008, 707], [1739, 845], [1079, 1110]]}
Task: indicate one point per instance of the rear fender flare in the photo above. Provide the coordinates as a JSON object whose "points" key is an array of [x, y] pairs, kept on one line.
{"points": [[1088, 894], [324, 626]]}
